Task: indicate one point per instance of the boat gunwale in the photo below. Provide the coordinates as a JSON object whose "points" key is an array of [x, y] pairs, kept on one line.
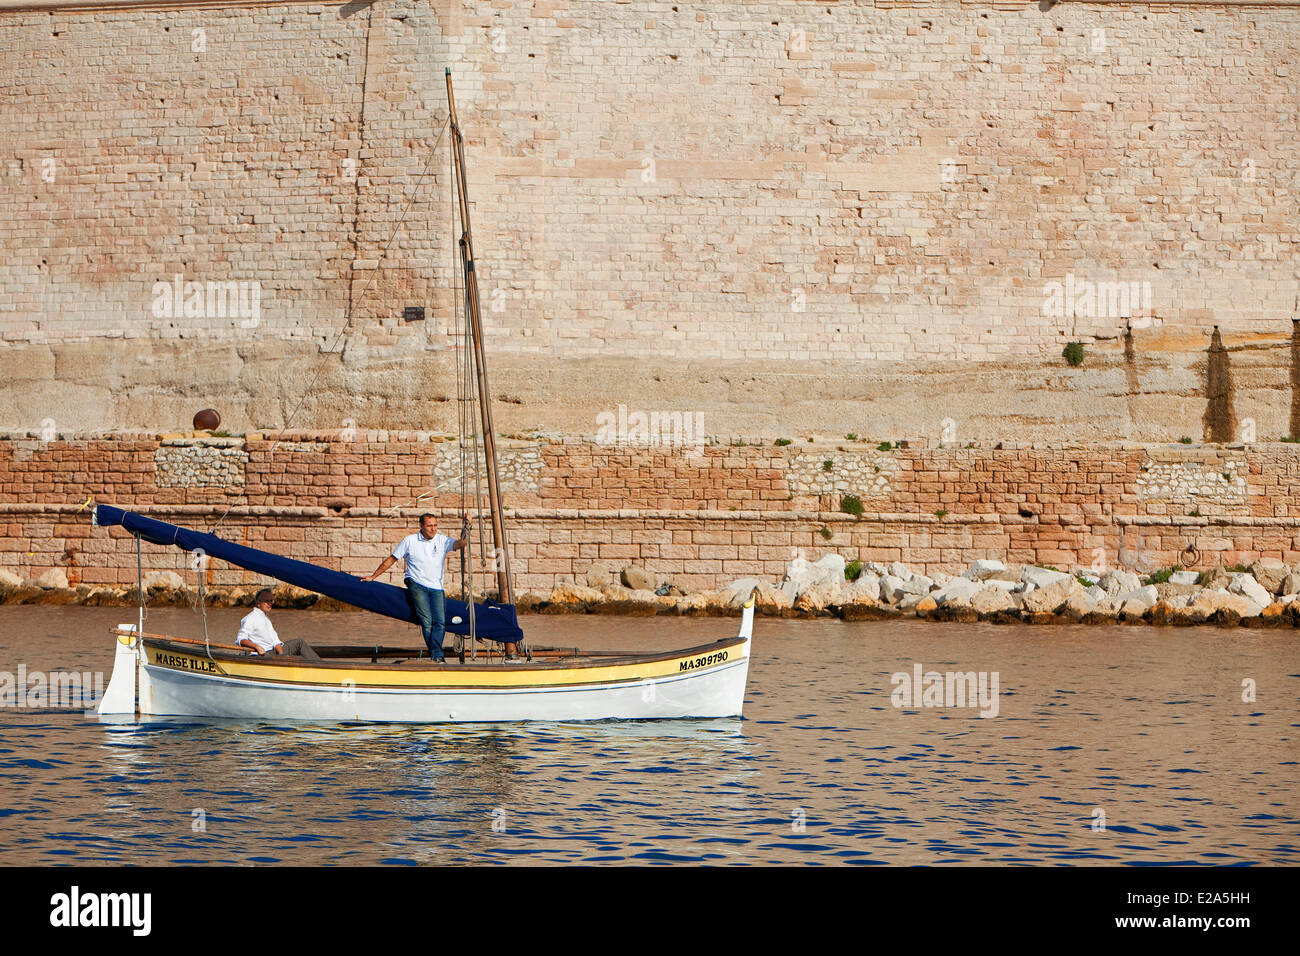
{"points": [[595, 684], [219, 653]]}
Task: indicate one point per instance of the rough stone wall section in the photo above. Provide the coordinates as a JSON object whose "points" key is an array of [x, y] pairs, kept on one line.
{"points": [[1222, 480], [205, 463], [519, 471], [838, 473]]}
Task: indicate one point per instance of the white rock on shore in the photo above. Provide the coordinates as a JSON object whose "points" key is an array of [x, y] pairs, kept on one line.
{"points": [[956, 593], [864, 592], [638, 579], [801, 574], [772, 599], [574, 594], [819, 595], [867, 583], [1248, 587], [744, 586], [817, 588], [1080, 601], [1052, 596], [983, 569], [1036, 577], [990, 599], [163, 579], [1269, 572], [597, 576], [1116, 582], [1207, 602], [1144, 597], [896, 590]]}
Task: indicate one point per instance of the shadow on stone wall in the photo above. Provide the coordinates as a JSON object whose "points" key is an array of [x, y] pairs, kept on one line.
{"points": [[1294, 430], [1220, 423]]}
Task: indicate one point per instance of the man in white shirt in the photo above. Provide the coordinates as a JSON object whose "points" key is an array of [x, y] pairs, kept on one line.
{"points": [[425, 553], [258, 634]]}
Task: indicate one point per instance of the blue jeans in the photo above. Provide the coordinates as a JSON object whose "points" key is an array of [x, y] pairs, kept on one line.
{"points": [[430, 607]]}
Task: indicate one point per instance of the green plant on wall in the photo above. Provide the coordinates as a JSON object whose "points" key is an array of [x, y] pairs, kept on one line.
{"points": [[1073, 353]]}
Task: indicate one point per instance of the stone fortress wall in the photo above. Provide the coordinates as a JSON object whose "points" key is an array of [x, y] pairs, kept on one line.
{"points": [[842, 216]]}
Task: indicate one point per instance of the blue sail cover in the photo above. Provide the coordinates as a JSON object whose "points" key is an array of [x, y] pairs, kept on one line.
{"points": [[495, 622]]}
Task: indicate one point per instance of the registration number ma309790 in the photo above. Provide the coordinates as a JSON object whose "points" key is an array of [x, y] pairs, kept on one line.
{"points": [[704, 661]]}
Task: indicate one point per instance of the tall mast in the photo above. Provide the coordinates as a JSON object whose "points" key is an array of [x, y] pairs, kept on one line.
{"points": [[499, 542]]}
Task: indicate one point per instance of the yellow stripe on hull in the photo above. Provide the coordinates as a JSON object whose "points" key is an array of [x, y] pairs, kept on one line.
{"points": [[448, 675]]}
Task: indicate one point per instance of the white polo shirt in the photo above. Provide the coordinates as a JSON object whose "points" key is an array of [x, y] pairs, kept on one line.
{"points": [[424, 557], [256, 627]]}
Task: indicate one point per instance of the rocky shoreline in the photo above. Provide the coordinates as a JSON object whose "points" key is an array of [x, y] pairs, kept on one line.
{"points": [[1267, 594]]}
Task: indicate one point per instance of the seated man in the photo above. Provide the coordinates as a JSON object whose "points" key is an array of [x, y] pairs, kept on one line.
{"points": [[257, 633]]}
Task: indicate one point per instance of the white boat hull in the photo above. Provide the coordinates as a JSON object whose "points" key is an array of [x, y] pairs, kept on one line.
{"points": [[718, 692]]}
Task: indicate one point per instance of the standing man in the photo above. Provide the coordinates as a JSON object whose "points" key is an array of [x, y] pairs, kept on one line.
{"points": [[425, 552], [257, 633]]}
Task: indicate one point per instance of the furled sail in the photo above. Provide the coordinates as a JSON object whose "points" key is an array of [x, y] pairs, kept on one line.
{"points": [[493, 621]]}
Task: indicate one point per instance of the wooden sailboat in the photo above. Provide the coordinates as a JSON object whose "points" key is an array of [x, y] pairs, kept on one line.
{"points": [[176, 676], [188, 677]]}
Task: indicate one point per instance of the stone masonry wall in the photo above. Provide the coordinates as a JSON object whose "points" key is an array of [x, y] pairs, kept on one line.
{"points": [[703, 516], [775, 183]]}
